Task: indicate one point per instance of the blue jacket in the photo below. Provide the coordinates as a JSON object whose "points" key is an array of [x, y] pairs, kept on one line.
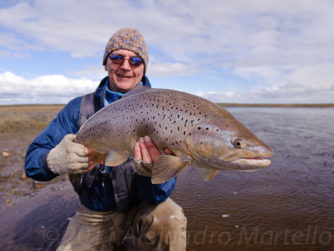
{"points": [[66, 122]]}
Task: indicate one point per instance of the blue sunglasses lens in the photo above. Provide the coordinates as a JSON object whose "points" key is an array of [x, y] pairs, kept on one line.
{"points": [[136, 61], [116, 59], [119, 59]]}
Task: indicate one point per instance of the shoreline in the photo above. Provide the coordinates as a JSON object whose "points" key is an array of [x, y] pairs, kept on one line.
{"points": [[275, 105], [59, 106]]}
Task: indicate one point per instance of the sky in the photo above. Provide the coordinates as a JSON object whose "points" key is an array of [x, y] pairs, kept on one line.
{"points": [[240, 51]]}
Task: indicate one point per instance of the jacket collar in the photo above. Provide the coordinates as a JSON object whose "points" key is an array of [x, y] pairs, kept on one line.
{"points": [[100, 91]]}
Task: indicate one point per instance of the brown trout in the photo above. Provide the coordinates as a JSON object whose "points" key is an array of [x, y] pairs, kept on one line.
{"points": [[198, 132]]}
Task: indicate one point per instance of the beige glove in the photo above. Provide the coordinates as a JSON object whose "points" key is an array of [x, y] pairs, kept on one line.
{"points": [[68, 157]]}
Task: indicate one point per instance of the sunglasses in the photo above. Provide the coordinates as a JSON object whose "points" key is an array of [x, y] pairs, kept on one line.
{"points": [[119, 59]]}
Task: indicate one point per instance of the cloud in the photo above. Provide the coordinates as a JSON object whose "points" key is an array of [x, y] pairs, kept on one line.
{"points": [[291, 84], [55, 89], [282, 51], [319, 76], [95, 72], [286, 94], [259, 29], [171, 69], [295, 89], [49, 89]]}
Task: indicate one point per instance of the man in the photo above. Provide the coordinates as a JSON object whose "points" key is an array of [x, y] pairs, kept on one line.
{"points": [[119, 205]]}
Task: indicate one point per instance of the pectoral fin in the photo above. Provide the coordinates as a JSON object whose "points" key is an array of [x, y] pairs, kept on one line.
{"points": [[207, 173], [115, 158], [96, 156], [167, 167]]}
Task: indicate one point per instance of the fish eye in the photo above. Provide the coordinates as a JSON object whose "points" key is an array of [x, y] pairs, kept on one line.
{"points": [[237, 143]]}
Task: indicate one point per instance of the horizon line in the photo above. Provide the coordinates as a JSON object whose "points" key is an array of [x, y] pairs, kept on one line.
{"points": [[222, 104]]}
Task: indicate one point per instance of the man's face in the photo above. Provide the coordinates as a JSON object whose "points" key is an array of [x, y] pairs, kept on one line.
{"points": [[123, 77]]}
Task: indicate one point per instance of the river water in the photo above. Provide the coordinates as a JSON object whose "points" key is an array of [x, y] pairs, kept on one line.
{"points": [[287, 206]]}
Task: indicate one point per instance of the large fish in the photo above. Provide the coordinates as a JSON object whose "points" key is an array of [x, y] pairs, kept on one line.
{"points": [[198, 132]]}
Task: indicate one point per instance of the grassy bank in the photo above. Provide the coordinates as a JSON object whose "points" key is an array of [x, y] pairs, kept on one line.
{"points": [[19, 118]]}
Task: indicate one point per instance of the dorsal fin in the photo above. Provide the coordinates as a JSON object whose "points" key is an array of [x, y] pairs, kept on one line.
{"points": [[136, 90]]}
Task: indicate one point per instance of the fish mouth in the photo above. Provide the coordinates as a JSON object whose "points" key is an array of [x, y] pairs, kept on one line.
{"points": [[251, 162]]}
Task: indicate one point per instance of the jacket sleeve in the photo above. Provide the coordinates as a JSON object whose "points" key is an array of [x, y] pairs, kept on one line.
{"points": [[154, 193], [65, 123]]}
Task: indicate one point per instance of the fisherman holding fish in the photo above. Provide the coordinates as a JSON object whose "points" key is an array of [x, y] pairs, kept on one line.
{"points": [[119, 205]]}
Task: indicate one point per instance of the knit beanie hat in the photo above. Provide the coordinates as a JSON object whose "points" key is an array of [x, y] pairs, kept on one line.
{"points": [[127, 39]]}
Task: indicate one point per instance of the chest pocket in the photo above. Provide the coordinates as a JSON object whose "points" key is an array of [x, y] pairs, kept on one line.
{"points": [[124, 187]]}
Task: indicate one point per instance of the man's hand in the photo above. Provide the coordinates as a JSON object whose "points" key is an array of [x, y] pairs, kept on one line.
{"points": [[145, 154], [68, 157]]}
